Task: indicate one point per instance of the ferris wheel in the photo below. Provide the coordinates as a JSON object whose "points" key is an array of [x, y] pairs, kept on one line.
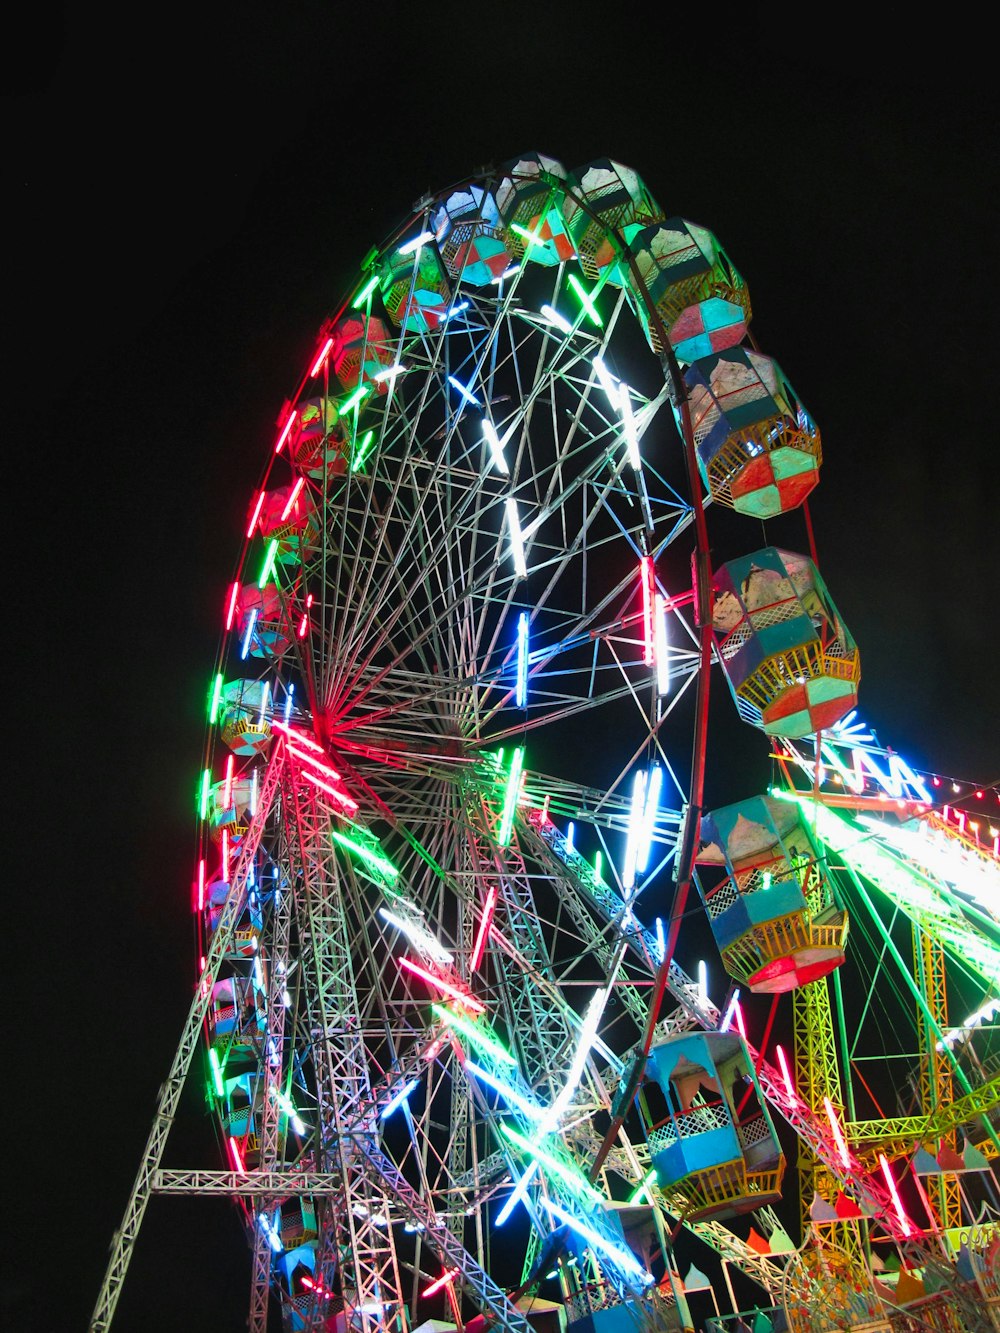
{"points": [[450, 811]]}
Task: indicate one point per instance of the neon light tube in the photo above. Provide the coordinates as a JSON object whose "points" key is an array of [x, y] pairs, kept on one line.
{"points": [[661, 650], [265, 693], [628, 425], [585, 1042], [236, 1155], [201, 884], [647, 579], [455, 310], [408, 247], [586, 300], [274, 1240], [521, 691], [440, 984], [298, 736], [469, 397], [516, 539], [623, 1258], [227, 791], [510, 797], [248, 637], [598, 868], [650, 809], [286, 431], [390, 373], [317, 365], [783, 1064], [256, 514], [213, 1061], [291, 499], [213, 707], [374, 860], [442, 1281], [479, 947], [355, 399], [526, 235], [569, 1175], [731, 1007], [904, 1221], [398, 1100], [702, 981], [607, 382], [289, 697], [365, 292], [518, 1193], [231, 609], [486, 1044], [254, 785], [362, 451], [268, 566], [309, 758], [738, 1016], [634, 833], [225, 856], [496, 447], [418, 936], [570, 835], [206, 778], [531, 1109], [647, 1180], [837, 1133], [507, 273], [343, 799], [661, 942], [554, 317]]}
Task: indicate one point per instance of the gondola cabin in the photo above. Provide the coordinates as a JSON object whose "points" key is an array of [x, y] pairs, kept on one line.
{"points": [[699, 298], [777, 916], [792, 666], [529, 196], [246, 716], [758, 448], [711, 1140], [471, 236], [605, 196]]}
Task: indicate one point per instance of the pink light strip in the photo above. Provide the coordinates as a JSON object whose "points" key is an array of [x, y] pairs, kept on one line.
{"points": [[441, 1282], [288, 426], [231, 612], [837, 1133], [201, 885], [904, 1221], [646, 575], [256, 514], [446, 986], [308, 758], [227, 791], [784, 1071], [237, 1157], [318, 363], [294, 735], [484, 928], [740, 1025], [330, 791], [292, 498]]}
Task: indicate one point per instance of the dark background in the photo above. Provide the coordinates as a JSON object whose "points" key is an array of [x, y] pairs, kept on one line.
{"points": [[188, 194]]}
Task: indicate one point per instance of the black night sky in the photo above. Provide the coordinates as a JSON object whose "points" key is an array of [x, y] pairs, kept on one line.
{"points": [[189, 194]]}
